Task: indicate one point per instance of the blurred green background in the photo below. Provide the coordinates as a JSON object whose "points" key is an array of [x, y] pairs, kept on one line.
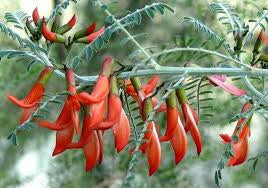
{"points": [[30, 164]]}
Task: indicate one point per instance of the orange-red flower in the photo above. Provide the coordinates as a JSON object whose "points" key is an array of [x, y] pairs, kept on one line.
{"points": [[175, 132], [240, 147], [85, 32], [67, 27], [101, 88], [191, 119], [35, 16], [31, 102], [51, 36], [152, 147], [92, 36], [68, 119]]}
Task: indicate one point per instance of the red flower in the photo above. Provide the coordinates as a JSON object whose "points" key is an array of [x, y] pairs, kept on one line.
{"points": [[31, 102], [91, 37], [68, 118], [191, 119], [35, 16], [145, 91], [101, 89], [219, 80], [152, 147], [240, 147], [85, 32], [175, 132], [92, 150], [121, 131], [51, 36], [68, 26]]}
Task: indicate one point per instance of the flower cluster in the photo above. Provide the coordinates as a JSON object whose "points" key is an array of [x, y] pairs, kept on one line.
{"points": [[56, 34], [102, 108]]}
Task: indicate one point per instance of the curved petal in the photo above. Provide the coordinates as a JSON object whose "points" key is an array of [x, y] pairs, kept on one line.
{"points": [[114, 109], [179, 142], [240, 149], [63, 139], [99, 93], [226, 138], [153, 150], [121, 131], [151, 85], [33, 97], [172, 121], [191, 123], [92, 150], [226, 86]]}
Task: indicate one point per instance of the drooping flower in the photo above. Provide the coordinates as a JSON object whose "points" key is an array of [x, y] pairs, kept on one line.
{"points": [[240, 146], [175, 132], [144, 91], [152, 147], [121, 131], [92, 150], [68, 119], [30, 103], [191, 119]]}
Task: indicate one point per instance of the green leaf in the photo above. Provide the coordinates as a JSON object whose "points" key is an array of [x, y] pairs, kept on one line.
{"points": [[216, 178], [104, 7], [255, 164], [149, 12], [107, 34], [98, 43], [30, 125], [13, 138], [76, 61], [18, 18], [89, 53], [160, 9], [167, 7], [137, 18], [109, 19], [56, 101]]}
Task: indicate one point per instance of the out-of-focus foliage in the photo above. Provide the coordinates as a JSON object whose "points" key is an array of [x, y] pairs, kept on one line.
{"points": [[67, 170]]}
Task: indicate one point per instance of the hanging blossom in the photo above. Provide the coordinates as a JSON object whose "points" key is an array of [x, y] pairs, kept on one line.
{"points": [[239, 139], [31, 101]]}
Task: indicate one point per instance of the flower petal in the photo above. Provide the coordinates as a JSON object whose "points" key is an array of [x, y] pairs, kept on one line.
{"points": [[121, 131], [92, 150], [226, 86], [63, 139], [153, 150], [179, 142]]}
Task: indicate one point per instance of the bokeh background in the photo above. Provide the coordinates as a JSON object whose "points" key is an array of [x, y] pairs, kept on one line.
{"points": [[30, 164]]}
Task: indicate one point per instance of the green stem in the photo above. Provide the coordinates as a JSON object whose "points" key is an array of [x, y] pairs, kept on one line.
{"points": [[117, 22], [173, 50]]}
